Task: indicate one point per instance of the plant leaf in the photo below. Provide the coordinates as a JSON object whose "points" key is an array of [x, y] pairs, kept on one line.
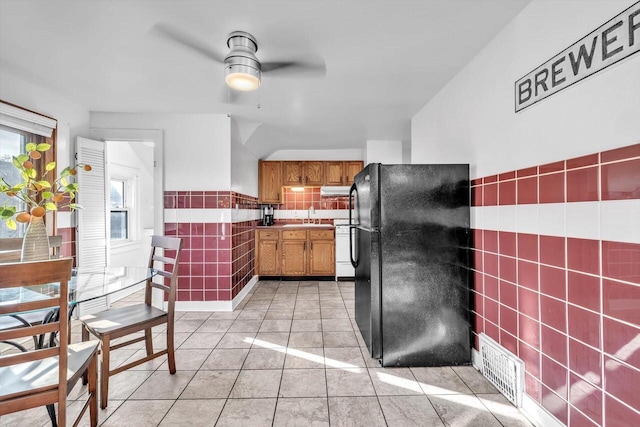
{"points": [[23, 158], [50, 166], [64, 181], [7, 212], [17, 163], [46, 194], [43, 147], [11, 224], [30, 146], [44, 184], [51, 206], [75, 206]]}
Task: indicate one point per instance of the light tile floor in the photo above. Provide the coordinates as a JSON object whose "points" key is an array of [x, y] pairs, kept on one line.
{"points": [[289, 355]]}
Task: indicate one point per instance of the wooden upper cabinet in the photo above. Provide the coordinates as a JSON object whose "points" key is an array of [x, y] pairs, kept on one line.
{"points": [[314, 173], [351, 170], [269, 182], [333, 173], [292, 173]]}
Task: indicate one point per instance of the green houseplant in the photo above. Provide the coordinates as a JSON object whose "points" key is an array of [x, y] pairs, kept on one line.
{"points": [[40, 192]]}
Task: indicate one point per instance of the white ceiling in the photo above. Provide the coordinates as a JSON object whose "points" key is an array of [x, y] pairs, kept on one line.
{"points": [[384, 60]]}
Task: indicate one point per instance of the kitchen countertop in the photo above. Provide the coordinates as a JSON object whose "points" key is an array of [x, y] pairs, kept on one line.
{"points": [[288, 226]]}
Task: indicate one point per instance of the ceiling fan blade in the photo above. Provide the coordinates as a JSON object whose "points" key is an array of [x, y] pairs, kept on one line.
{"points": [[315, 68], [182, 38]]}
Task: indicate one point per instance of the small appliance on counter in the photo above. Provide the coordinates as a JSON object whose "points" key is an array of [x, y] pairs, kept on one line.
{"points": [[267, 215]]}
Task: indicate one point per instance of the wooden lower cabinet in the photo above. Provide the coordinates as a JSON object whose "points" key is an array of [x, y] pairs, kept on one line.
{"points": [[268, 246], [322, 254], [294, 257], [296, 252]]}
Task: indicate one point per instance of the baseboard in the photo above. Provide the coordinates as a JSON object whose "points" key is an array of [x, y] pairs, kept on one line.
{"points": [[203, 306], [538, 416], [216, 305], [531, 409], [243, 293], [476, 359]]}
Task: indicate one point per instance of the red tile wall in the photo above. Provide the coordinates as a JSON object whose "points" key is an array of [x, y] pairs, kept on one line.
{"points": [[570, 308], [311, 197], [217, 259], [68, 248]]}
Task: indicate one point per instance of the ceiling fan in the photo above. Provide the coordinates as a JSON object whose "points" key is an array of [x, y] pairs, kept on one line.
{"points": [[243, 70]]}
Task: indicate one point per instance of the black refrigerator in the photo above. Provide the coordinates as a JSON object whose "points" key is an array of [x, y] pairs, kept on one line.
{"points": [[410, 250]]}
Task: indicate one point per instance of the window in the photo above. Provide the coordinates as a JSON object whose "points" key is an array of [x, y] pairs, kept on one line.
{"points": [[17, 128], [12, 143], [119, 210]]}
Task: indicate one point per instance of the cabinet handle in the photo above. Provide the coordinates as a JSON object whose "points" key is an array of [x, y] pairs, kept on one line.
{"points": [[311, 245], [305, 246]]}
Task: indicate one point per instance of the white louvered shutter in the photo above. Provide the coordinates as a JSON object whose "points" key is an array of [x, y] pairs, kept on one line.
{"points": [[92, 238]]}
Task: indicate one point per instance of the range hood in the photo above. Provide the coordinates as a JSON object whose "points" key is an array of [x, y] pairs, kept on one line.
{"points": [[337, 190]]}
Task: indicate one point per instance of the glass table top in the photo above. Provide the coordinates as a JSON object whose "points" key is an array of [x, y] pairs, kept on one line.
{"points": [[86, 284]]}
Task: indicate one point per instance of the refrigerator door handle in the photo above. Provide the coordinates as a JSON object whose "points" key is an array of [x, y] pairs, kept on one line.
{"points": [[353, 228]]}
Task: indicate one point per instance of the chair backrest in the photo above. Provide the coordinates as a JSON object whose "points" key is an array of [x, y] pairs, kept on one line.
{"points": [[43, 276], [164, 258], [11, 248]]}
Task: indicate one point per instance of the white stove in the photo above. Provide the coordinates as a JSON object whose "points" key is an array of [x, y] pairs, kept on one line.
{"points": [[343, 260]]}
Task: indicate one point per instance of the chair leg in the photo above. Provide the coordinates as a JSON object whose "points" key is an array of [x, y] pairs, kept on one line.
{"points": [[85, 337], [148, 339], [171, 355], [104, 379], [51, 410], [62, 414], [92, 372]]}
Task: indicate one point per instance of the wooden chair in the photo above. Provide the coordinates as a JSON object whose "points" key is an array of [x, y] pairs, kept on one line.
{"points": [[11, 248], [119, 322], [45, 376], [10, 251]]}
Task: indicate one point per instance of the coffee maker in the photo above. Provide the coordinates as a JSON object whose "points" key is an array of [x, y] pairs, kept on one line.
{"points": [[267, 215]]}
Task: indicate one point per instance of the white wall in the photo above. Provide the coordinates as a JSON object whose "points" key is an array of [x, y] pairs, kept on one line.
{"points": [[244, 169], [472, 118], [73, 119], [384, 151], [197, 147]]}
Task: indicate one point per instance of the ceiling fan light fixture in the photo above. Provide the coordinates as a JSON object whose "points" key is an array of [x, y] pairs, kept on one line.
{"points": [[242, 77]]}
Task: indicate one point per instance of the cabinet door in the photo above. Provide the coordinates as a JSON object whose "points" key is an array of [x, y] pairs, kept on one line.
{"points": [[268, 258], [333, 172], [322, 261], [351, 170], [294, 257], [292, 173], [269, 182], [314, 173]]}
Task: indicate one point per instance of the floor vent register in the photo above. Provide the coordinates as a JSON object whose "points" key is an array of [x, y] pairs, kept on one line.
{"points": [[503, 369]]}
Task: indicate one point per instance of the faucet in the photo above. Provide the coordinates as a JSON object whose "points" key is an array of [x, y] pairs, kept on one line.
{"points": [[310, 211]]}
